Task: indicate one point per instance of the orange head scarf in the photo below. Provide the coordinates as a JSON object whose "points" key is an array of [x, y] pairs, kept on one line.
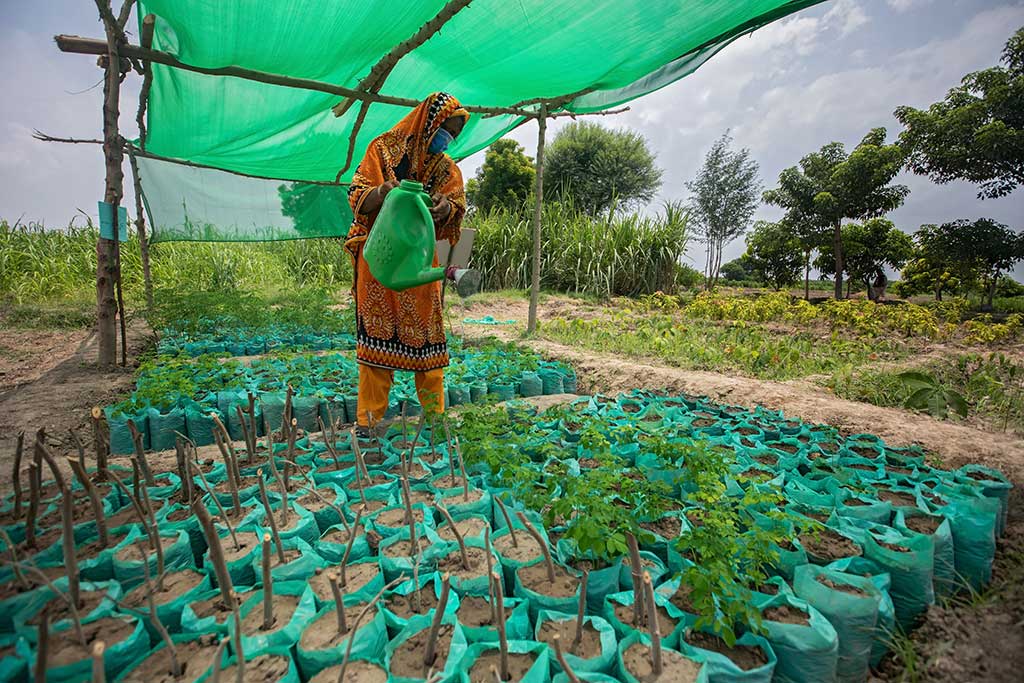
{"points": [[402, 153]]}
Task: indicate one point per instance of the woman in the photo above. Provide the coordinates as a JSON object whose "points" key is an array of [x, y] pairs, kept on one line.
{"points": [[404, 330]]}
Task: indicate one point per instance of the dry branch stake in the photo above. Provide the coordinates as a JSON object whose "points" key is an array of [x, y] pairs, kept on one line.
{"points": [[94, 496], [508, 521], [653, 625], [33, 504], [18, 450], [268, 586], [248, 436], [217, 658], [569, 673], [43, 645], [99, 674], [67, 513], [198, 500], [541, 542], [76, 620], [578, 638], [100, 442], [311, 488], [15, 565], [152, 531], [351, 542], [220, 567], [359, 619], [435, 624], [490, 569], [239, 655], [270, 517], [639, 615], [141, 453], [499, 595], [154, 619], [339, 603], [329, 443], [458, 537]]}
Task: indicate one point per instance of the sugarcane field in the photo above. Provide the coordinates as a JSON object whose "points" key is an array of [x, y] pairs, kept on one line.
{"points": [[471, 341]]}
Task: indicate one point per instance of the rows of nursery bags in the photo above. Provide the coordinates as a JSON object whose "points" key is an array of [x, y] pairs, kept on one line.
{"points": [[325, 388], [852, 604], [253, 342]]}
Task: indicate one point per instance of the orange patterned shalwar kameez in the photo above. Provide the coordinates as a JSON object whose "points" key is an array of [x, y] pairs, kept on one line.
{"points": [[403, 330]]}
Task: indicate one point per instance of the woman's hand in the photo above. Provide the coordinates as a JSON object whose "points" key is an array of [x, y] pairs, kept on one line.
{"points": [[441, 209], [376, 197]]}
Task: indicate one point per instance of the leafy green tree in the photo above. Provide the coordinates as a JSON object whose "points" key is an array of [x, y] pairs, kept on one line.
{"points": [[599, 168], [937, 265], [316, 210], [504, 180], [775, 254], [724, 198], [831, 186], [993, 247], [869, 248], [977, 132], [738, 270]]}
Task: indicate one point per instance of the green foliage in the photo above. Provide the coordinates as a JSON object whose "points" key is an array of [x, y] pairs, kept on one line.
{"points": [[868, 249], [620, 255], [831, 186], [774, 254], [505, 179], [316, 210], [975, 133], [600, 168], [724, 196], [739, 269], [929, 395], [1007, 287]]}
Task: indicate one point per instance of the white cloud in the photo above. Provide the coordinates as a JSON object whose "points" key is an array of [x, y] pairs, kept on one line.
{"points": [[906, 5], [847, 15]]}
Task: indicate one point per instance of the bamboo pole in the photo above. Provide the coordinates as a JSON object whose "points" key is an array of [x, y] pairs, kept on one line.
{"points": [[531, 325]]}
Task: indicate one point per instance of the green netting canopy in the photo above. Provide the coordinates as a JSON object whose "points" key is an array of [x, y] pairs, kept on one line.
{"points": [[582, 56]]}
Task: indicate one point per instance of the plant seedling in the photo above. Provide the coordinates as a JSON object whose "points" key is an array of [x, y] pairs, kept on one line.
{"points": [[270, 517], [653, 626], [339, 603], [429, 652], [578, 637], [508, 521], [99, 674], [541, 542], [556, 642], [458, 537], [268, 586]]}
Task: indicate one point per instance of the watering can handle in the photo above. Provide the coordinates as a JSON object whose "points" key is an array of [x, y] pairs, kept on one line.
{"points": [[424, 209]]}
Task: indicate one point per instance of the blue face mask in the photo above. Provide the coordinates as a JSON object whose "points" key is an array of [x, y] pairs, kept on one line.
{"points": [[442, 138]]}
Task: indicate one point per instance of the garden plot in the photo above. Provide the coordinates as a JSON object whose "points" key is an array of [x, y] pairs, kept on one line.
{"points": [[634, 537]]}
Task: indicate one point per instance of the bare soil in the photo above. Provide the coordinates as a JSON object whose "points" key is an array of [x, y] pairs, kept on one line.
{"points": [[355, 672], [535, 577], [518, 665], [452, 563], [262, 669], [284, 608], [924, 524], [744, 656], [396, 517], [675, 668], [470, 527], [175, 584], [323, 633], [475, 611], [526, 550], [589, 646], [66, 649], [405, 606], [784, 614], [356, 576], [407, 659], [666, 624], [195, 657], [828, 546], [844, 587]]}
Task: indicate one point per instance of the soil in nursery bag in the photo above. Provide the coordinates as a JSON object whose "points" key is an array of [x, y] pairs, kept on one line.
{"points": [[785, 614], [195, 656], [518, 665], [745, 657], [535, 577], [896, 498], [175, 585], [261, 669], [666, 527], [416, 470], [452, 563], [828, 546], [843, 587], [247, 542], [526, 550], [683, 600], [407, 659], [675, 668], [284, 608], [132, 553], [405, 606], [59, 610], [470, 527], [395, 518], [322, 634], [475, 612], [589, 646], [624, 613], [356, 672], [924, 524], [357, 576], [65, 649]]}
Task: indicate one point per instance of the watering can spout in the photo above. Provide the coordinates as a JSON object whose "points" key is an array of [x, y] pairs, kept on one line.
{"points": [[400, 248], [467, 280]]}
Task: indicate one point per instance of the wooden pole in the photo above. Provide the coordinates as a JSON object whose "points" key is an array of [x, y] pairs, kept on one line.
{"points": [[107, 250], [531, 326]]}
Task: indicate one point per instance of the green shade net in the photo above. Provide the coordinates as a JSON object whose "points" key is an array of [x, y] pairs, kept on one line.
{"points": [[496, 53]]}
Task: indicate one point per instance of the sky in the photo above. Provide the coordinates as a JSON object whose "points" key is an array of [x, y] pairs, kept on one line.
{"points": [[828, 73]]}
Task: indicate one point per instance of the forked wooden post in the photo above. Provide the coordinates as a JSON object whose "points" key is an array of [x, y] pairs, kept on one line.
{"points": [[531, 325]]}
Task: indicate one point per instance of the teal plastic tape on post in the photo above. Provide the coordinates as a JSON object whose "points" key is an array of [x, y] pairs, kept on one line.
{"points": [[107, 222]]}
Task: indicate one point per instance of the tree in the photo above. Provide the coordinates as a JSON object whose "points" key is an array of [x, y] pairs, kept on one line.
{"points": [[738, 270], [869, 248], [831, 186], [505, 179], [977, 132], [725, 195], [315, 209], [775, 254], [599, 168], [993, 247]]}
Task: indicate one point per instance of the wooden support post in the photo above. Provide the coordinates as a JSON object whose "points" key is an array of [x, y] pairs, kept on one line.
{"points": [[107, 261], [531, 326], [140, 226]]}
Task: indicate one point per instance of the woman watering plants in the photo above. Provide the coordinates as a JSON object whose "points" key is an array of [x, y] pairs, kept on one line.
{"points": [[404, 330]]}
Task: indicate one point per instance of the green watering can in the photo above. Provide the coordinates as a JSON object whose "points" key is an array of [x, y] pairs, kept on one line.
{"points": [[400, 248]]}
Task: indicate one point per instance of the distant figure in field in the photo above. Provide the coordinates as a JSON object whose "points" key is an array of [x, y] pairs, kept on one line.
{"points": [[404, 330]]}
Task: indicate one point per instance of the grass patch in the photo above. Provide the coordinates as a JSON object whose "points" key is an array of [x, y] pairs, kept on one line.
{"points": [[69, 315]]}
